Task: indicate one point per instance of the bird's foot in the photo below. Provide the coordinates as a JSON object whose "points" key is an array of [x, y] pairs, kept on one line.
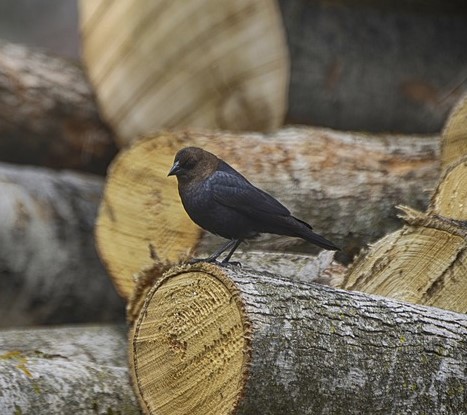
{"points": [[198, 260], [214, 261]]}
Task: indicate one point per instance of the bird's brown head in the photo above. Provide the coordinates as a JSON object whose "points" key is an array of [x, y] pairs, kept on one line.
{"points": [[193, 164]]}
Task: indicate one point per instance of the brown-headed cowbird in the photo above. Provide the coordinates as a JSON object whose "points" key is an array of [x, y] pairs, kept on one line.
{"points": [[222, 201]]}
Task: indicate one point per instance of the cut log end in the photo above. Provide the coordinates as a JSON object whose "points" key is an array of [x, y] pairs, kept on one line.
{"points": [[454, 137], [424, 262], [190, 344], [450, 197], [134, 216]]}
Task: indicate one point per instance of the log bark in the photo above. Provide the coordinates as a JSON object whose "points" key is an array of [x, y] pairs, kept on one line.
{"points": [[67, 370], [212, 340], [345, 184], [353, 65], [49, 268], [48, 115]]}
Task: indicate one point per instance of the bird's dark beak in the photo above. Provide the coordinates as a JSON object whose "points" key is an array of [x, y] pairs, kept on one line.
{"points": [[175, 169]]}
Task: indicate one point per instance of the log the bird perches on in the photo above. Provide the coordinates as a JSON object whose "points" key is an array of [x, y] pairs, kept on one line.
{"points": [[212, 340]]}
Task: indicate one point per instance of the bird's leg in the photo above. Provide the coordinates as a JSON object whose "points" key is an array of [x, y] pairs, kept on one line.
{"points": [[215, 255], [236, 243]]}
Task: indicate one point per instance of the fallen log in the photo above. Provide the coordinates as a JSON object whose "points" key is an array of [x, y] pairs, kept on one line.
{"points": [[345, 184], [66, 370], [48, 113], [212, 340], [322, 269], [49, 268]]}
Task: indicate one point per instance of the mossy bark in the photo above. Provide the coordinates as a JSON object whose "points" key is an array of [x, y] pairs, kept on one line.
{"points": [[67, 370]]}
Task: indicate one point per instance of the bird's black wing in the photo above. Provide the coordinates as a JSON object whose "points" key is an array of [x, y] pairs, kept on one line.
{"points": [[231, 189]]}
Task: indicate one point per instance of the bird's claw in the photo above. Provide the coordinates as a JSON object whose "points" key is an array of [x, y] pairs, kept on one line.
{"points": [[228, 263]]}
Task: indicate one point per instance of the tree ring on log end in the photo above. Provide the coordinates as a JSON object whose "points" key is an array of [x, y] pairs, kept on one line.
{"points": [[449, 199], [190, 346]]}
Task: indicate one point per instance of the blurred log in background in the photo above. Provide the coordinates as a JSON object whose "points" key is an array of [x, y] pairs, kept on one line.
{"points": [[49, 269]]}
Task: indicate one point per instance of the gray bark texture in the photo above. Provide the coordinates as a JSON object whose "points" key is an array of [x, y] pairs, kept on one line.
{"points": [[49, 268], [375, 66], [316, 350], [68, 370], [48, 115]]}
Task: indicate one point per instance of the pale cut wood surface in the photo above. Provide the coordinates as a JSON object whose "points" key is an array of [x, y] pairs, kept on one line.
{"points": [[450, 197], [205, 63], [259, 343], [345, 184], [454, 135], [425, 262]]}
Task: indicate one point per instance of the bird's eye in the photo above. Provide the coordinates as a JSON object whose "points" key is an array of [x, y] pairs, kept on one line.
{"points": [[188, 164]]}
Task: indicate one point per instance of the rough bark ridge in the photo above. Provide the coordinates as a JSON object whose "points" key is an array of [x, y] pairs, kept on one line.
{"points": [[68, 370], [49, 269], [256, 343], [48, 115], [345, 184]]}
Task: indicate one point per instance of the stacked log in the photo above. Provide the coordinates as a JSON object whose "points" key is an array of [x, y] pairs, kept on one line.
{"points": [[225, 340]]}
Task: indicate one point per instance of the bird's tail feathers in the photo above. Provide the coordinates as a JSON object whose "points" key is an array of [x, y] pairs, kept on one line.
{"points": [[306, 233]]}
